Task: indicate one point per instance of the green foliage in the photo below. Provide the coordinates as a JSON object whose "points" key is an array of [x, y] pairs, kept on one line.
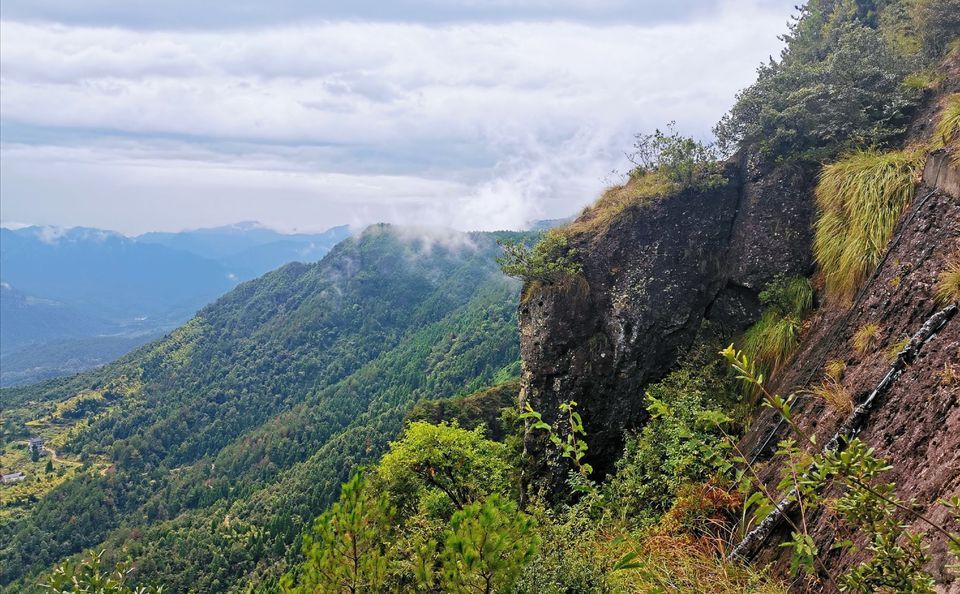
{"points": [[772, 340], [86, 576], [681, 160], [680, 444], [569, 440], [849, 473], [348, 548], [860, 198], [249, 421], [444, 459], [471, 411], [486, 547], [937, 23], [837, 86], [549, 261]]}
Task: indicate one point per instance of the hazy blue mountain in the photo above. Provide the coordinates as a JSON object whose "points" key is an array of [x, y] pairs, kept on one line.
{"points": [[249, 249], [77, 298]]}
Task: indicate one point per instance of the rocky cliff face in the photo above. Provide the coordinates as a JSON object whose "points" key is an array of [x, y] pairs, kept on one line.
{"points": [[649, 280], [915, 425]]}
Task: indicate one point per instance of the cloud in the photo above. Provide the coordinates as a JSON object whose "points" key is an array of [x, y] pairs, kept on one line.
{"points": [[468, 122]]}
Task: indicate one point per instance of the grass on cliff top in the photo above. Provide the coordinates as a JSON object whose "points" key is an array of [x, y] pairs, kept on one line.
{"points": [[948, 128], [861, 198], [598, 217]]}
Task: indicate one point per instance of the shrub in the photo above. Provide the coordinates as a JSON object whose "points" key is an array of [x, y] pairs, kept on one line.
{"points": [[838, 86], [87, 575], [444, 461], [549, 261], [937, 22], [948, 283], [680, 159], [865, 338], [860, 198], [674, 447]]}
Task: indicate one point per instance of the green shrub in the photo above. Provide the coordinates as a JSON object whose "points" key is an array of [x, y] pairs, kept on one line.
{"points": [[87, 576], [674, 448], [680, 159], [549, 261], [860, 198], [937, 23], [442, 461]]}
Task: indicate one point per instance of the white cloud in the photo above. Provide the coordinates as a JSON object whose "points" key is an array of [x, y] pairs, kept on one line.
{"points": [[475, 125]]}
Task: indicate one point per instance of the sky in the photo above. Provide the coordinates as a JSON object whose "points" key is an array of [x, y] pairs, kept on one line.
{"points": [[138, 116]]}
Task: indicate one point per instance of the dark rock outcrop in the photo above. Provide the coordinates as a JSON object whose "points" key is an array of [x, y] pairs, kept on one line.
{"points": [[649, 281]]}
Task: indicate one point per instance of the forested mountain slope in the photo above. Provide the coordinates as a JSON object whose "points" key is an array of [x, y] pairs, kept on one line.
{"points": [[224, 438]]}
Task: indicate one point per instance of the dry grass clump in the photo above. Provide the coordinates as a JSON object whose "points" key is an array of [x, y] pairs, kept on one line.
{"points": [[668, 563], [860, 198], [865, 339], [948, 283], [835, 368], [599, 215], [835, 395], [948, 128]]}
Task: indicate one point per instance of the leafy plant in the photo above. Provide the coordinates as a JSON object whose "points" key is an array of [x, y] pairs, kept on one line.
{"points": [[860, 198], [87, 576], [571, 440], [549, 261], [866, 505], [681, 160], [461, 465]]}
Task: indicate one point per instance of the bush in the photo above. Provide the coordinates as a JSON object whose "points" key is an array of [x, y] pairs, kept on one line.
{"points": [[674, 448], [431, 462], [549, 261], [860, 198], [937, 23], [679, 159]]}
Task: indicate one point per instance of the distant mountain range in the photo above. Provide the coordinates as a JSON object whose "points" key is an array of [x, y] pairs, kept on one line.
{"points": [[75, 298]]}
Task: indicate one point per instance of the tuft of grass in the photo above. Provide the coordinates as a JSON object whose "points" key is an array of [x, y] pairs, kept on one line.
{"points": [[835, 368], [772, 340], [835, 395], [948, 283], [860, 197], [947, 134], [896, 347], [597, 217], [865, 339], [950, 375]]}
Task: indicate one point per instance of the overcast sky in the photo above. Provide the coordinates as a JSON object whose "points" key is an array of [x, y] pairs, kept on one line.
{"points": [[476, 114]]}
